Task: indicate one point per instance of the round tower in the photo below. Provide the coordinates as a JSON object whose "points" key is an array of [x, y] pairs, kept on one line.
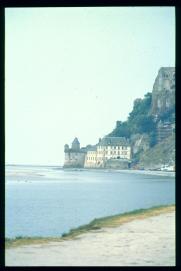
{"points": [[75, 144], [66, 148]]}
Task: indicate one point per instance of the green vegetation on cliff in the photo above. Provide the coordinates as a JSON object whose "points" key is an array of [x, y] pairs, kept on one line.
{"points": [[139, 120], [150, 125]]}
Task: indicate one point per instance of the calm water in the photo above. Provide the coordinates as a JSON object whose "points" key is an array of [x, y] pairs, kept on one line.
{"points": [[48, 201]]}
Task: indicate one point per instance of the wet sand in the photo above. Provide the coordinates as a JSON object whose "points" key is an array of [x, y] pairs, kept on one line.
{"points": [[141, 242]]}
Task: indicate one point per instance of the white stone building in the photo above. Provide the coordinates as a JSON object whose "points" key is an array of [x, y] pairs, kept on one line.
{"points": [[108, 148]]}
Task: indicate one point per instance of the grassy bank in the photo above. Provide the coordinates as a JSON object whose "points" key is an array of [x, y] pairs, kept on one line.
{"points": [[96, 224]]}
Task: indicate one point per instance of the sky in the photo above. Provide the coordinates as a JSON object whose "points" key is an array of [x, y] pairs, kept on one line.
{"points": [[73, 72]]}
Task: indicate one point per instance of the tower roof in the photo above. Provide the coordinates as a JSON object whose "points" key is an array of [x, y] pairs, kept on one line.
{"points": [[75, 141], [113, 141]]}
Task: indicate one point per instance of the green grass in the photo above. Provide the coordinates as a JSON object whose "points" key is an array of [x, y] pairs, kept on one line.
{"points": [[96, 224]]}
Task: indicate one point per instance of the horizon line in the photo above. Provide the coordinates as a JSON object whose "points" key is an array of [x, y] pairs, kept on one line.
{"points": [[12, 164]]}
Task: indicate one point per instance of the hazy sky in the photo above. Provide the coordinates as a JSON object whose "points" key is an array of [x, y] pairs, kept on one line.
{"points": [[75, 71]]}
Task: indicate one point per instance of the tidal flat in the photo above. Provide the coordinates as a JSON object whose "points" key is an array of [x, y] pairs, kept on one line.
{"points": [[54, 201]]}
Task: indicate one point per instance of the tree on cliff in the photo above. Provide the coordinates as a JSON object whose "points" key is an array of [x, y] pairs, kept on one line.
{"points": [[139, 120]]}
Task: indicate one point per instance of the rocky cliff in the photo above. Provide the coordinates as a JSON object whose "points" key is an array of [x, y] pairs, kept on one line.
{"points": [[163, 94], [150, 126], [161, 154]]}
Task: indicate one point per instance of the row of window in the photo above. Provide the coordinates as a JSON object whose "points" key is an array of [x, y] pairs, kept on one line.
{"points": [[91, 158], [100, 158], [113, 147], [113, 152]]}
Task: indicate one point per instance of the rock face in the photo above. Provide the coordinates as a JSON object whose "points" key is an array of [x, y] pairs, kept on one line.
{"points": [[139, 142], [161, 154], [164, 130], [163, 110], [163, 94]]}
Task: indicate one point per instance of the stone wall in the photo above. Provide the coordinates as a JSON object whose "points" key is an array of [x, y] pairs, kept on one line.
{"points": [[74, 159], [164, 130], [116, 164]]}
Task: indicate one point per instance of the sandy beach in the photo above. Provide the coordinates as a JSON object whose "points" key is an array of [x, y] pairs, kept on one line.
{"points": [[148, 241]]}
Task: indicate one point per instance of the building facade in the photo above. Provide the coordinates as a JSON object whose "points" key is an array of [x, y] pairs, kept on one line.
{"points": [[108, 149], [110, 152]]}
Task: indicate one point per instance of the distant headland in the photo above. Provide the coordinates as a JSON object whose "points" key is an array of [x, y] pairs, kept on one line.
{"points": [[145, 141]]}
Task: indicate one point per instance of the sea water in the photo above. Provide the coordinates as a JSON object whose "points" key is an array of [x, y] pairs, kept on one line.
{"points": [[49, 201]]}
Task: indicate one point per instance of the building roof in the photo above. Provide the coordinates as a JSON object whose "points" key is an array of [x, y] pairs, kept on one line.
{"points": [[75, 141], [113, 141], [92, 148]]}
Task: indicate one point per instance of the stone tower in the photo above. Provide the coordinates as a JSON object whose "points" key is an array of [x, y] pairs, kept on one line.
{"points": [[75, 144], [74, 156], [66, 148]]}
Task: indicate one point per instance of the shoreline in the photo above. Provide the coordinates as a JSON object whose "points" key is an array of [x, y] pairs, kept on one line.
{"points": [[134, 171], [95, 225], [150, 172], [141, 238]]}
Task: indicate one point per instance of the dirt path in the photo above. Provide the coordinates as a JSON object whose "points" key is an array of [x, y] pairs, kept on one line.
{"points": [[145, 242]]}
